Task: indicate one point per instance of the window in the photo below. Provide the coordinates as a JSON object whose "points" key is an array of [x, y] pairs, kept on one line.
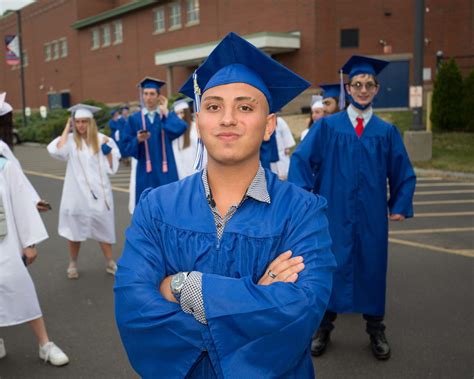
{"points": [[47, 52], [175, 16], [349, 38], [95, 39], [63, 43], [159, 20], [118, 35], [192, 10], [105, 35], [55, 49]]}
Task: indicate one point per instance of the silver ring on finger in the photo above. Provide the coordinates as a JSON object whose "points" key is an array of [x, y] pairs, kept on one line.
{"points": [[271, 275]]}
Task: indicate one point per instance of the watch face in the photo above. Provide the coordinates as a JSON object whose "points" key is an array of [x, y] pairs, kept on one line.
{"points": [[177, 281]]}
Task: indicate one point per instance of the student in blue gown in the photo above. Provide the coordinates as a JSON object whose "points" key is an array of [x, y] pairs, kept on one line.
{"points": [[269, 152], [347, 158], [227, 272], [331, 94], [115, 125], [147, 137]]}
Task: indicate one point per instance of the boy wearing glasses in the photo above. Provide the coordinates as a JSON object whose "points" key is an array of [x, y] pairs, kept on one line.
{"points": [[347, 158]]}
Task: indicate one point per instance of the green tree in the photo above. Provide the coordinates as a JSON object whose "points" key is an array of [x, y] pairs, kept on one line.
{"points": [[447, 93], [468, 102]]}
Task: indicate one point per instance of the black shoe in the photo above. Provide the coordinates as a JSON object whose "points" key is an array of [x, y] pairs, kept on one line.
{"points": [[320, 342], [380, 346]]}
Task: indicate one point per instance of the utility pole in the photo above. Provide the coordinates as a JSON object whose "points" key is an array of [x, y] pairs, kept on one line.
{"points": [[418, 141], [418, 59], [22, 74]]}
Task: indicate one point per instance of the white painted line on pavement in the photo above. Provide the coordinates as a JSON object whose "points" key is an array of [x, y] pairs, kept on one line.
{"points": [[465, 253], [450, 184], [444, 214], [50, 176], [428, 231], [447, 192], [436, 202]]}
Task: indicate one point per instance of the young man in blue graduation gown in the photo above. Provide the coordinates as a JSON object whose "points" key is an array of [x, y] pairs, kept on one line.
{"points": [[147, 137], [115, 125], [331, 95], [227, 273], [347, 158], [269, 152]]}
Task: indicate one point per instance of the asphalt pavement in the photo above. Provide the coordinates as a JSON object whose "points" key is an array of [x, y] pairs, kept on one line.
{"points": [[429, 313]]}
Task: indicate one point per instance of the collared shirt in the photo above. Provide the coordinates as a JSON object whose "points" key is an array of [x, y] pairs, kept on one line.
{"points": [[191, 295], [353, 114], [151, 114], [257, 190]]}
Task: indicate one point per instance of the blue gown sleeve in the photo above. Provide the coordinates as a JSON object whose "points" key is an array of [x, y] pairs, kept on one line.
{"points": [[308, 157], [128, 139], [246, 319], [160, 339], [174, 126], [402, 179]]}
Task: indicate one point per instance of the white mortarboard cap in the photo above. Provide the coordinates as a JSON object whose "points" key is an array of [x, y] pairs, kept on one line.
{"points": [[180, 105], [4, 106], [83, 111], [316, 102]]}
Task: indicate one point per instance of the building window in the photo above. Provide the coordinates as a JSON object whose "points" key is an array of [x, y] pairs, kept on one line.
{"points": [[159, 20], [175, 16], [349, 38], [118, 33], [95, 39], [105, 35], [47, 52], [63, 42], [55, 49], [192, 11]]}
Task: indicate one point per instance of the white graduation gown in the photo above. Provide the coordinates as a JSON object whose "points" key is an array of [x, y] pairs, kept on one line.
{"points": [[80, 215], [184, 157], [18, 300], [285, 140], [7, 153], [132, 187]]}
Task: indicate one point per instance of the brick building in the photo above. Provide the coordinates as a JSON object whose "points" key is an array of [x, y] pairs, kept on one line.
{"points": [[100, 49]]}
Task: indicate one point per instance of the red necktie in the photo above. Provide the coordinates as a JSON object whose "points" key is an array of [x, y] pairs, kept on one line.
{"points": [[360, 126]]}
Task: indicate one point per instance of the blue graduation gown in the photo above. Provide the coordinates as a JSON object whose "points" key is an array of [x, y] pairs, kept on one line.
{"points": [[129, 146], [114, 125], [352, 174], [253, 331], [269, 152]]}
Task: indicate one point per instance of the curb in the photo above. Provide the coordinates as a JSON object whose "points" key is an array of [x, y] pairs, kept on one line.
{"points": [[444, 174]]}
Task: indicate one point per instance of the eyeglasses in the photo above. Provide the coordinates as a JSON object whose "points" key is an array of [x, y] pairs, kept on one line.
{"points": [[369, 86]]}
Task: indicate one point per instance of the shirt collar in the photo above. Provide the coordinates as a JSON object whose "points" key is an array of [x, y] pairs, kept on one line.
{"points": [[145, 111], [257, 189], [353, 114]]}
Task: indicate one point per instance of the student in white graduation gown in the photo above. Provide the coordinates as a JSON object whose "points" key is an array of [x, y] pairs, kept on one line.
{"points": [[317, 112], [285, 142], [21, 228], [185, 146], [87, 208]]}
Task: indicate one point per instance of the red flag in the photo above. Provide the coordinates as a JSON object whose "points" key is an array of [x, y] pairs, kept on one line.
{"points": [[12, 50]]}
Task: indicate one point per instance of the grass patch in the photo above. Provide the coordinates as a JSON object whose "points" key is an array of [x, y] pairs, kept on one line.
{"points": [[452, 151]]}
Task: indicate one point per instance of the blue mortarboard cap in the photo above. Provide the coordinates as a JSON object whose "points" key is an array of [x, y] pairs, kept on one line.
{"points": [[83, 110], [330, 90], [124, 107], [234, 60], [113, 111], [357, 65], [149, 82]]}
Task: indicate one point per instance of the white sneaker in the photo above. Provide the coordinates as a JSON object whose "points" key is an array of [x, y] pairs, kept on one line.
{"points": [[111, 267], [49, 352], [3, 351]]}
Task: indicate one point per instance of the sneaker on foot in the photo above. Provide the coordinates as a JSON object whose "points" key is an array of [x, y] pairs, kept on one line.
{"points": [[49, 352], [111, 267], [3, 351], [72, 272]]}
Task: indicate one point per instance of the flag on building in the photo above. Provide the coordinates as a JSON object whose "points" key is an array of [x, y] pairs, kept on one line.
{"points": [[12, 50]]}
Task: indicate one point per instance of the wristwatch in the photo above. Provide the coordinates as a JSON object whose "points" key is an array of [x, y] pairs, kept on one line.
{"points": [[177, 284]]}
